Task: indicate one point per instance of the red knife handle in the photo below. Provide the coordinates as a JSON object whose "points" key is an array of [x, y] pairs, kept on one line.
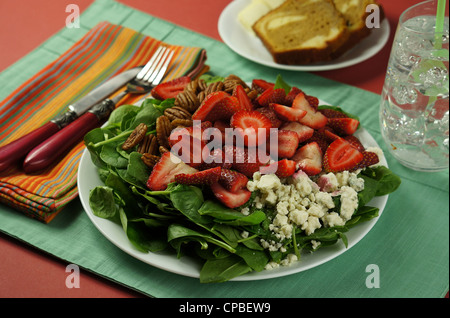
{"points": [[16, 150], [51, 149]]}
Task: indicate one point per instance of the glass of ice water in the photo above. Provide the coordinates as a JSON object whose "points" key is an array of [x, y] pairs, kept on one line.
{"points": [[414, 107]]}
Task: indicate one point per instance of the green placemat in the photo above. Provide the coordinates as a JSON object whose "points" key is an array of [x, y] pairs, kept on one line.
{"points": [[409, 243]]}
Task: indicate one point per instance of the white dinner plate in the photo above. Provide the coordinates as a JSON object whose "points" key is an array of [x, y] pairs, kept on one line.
{"points": [[250, 46], [88, 179]]}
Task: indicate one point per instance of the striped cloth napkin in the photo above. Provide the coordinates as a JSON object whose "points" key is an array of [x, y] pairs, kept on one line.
{"points": [[105, 51]]}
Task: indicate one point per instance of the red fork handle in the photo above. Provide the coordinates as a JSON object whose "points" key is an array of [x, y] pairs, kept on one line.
{"points": [[16, 150], [47, 152]]}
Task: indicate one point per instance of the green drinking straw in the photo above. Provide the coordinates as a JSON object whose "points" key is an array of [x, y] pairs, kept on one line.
{"points": [[439, 29]]}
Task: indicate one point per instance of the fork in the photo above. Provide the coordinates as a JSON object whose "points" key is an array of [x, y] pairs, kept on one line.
{"points": [[150, 75], [51, 149]]}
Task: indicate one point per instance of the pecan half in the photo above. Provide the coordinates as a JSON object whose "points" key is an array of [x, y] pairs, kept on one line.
{"points": [[214, 87], [187, 100], [231, 81], [136, 136], [149, 159], [163, 129], [181, 123], [148, 145], [177, 112]]}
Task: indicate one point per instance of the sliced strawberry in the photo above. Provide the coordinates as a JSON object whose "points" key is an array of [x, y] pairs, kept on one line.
{"points": [[309, 158], [355, 142], [271, 95], [261, 85], [216, 106], [252, 124], [165, 170], [292, 94], [304, 132], [313, 118], [288, 142], [287, 113], [329, 134], [343, 126], [313, 101], [244, 160], [321, 138], [171, 88], [332, 113], [270, 113], [228, 198], [208, 176], [244, 101], [369, 159], [340, 156], [232, 181], [283, 168]]}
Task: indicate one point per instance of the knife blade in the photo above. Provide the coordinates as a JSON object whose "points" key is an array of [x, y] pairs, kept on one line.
{"points": [[16, 150]]}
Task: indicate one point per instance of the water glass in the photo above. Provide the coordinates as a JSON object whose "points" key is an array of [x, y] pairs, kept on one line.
{"points": [[414, 107]]}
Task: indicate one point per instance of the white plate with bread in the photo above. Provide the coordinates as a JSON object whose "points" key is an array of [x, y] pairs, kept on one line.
{"points": [[289, 34]]}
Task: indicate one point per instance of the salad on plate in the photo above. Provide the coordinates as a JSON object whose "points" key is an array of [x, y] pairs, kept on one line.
{"points": [[241, 177]]}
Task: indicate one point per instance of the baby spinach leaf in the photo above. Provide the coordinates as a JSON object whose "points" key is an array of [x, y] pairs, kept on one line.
{"points": [[102, 203], [280, 83], [111, 157], [387, 181], [223, 269], [188, 200], [177, 232], [257, 260]]}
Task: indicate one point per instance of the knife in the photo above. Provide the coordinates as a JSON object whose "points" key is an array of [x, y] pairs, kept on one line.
{"points": [[16, 150]]}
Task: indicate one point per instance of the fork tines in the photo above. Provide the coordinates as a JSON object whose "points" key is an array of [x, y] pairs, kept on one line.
{"points": [[156, 67]]}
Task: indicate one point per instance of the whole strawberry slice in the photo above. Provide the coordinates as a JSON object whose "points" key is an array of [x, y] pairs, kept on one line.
{"points": [[288, 113], [232, 181], [271, 95], [283, 168], [171, 88], [165, 170], [340, 156], [343, 126], [313, 118], [216, 106], [254, 126], [228, 198], [244, 101], [208, 176], [309, 158]]}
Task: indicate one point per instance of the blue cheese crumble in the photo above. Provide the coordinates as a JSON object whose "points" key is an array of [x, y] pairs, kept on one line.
{"points": [[301, 202]]}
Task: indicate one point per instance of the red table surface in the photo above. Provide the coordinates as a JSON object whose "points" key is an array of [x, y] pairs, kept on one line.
{"points": [[28, 272]]}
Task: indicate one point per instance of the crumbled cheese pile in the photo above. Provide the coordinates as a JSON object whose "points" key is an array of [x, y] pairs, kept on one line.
{"points": [[300, 201]]}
